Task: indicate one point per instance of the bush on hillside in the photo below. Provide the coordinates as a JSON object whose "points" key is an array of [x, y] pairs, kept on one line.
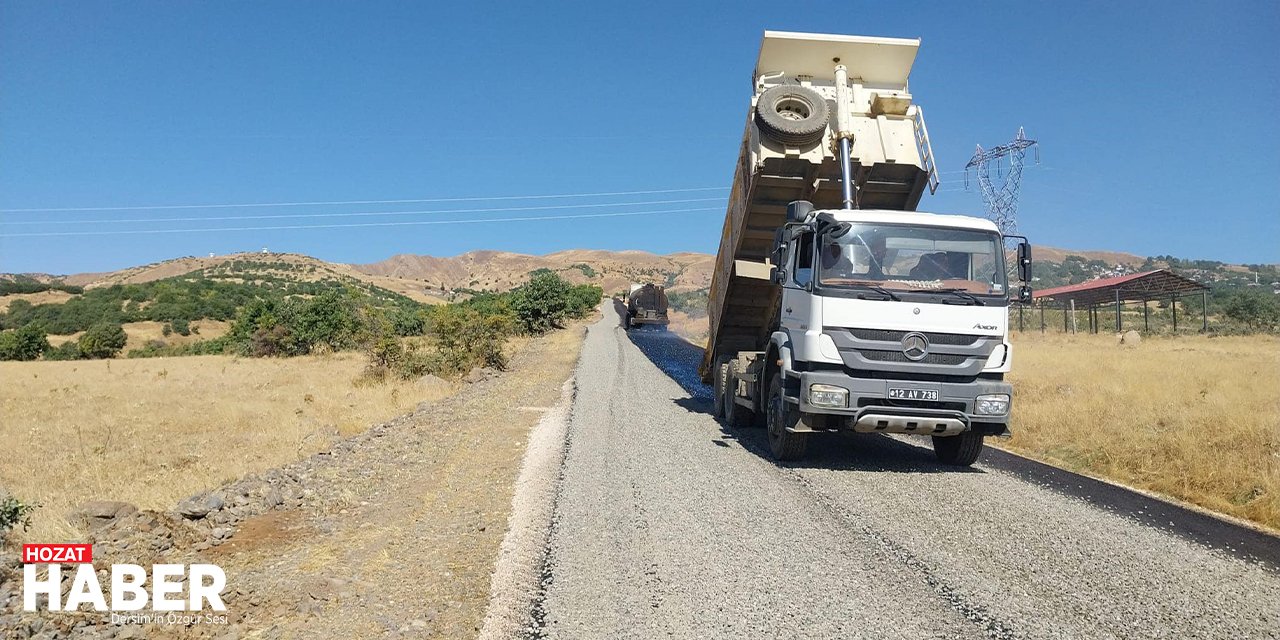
{"points": [[69, 350], [102, 340], [542, 304], [465, 338], [13, 512], [27, 343], [547, 300]]}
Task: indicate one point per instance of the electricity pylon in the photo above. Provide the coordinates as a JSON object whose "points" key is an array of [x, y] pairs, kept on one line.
{"points": [[1002, 202]]}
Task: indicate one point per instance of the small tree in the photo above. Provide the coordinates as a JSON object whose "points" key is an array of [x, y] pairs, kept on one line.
{"points": [[26, 343], [1259, 312], [103, 340], [541, 304]]}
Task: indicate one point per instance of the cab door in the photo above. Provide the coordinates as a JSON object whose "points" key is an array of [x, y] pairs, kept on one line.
{"points": [[796, 312]]}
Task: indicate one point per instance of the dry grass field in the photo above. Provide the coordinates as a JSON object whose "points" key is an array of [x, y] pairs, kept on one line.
{"points": [[140, 333], [1192, 417], [153, 431]]}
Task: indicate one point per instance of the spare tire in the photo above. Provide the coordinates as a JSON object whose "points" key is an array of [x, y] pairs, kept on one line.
{"points": [[792, 114]]}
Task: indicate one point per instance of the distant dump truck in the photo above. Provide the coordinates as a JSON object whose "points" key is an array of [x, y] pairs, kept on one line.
{"points": [[647, 305], [833, 304]]}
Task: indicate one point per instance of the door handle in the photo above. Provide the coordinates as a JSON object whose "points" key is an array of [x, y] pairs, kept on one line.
{"points": [[788, 309]]}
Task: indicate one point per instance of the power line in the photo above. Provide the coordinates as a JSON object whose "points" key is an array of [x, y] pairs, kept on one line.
{"points": [[353, 214], [346, 202], [358, 224]]}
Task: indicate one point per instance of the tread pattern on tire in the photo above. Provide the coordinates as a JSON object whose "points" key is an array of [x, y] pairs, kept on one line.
{"points": [[961, 450], [718, 399], [787, 445], [787, 131]]}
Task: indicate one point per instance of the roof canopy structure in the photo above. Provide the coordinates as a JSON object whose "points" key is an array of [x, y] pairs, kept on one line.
{"points": [[1149, 285]]}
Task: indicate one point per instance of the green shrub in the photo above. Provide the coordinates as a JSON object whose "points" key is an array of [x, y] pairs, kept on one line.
{"points": [[182, 326], [27, 343], [583, 298], [542, 304], [69, 350], [14, 512], [465, 338], [1258, 311], [103, 340]]}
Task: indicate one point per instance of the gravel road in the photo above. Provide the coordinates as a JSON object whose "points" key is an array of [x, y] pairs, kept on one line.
{"points": [[668, 525]]}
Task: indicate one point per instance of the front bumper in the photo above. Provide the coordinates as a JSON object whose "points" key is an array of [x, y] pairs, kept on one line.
{"points": [[870, 396]]}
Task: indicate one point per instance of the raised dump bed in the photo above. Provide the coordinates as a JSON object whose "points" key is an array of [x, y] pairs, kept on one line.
{"points": [[810, 92]]}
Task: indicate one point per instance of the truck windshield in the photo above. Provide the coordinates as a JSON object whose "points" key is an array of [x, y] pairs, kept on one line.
{"points": [[907, 258]]}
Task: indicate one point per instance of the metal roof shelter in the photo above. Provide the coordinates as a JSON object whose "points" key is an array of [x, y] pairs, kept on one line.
{"points": [[1146, 286]]}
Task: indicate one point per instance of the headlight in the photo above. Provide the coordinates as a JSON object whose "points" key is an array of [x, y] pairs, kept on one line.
{"points": [[996, 404], [825, 395]]}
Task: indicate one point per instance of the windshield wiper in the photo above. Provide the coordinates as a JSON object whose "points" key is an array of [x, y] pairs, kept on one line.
{"points": [[880, 290], [958, 292]]}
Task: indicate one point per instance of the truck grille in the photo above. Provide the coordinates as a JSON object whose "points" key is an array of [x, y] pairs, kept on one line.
{"points": [[885, 335], [898, 356]]}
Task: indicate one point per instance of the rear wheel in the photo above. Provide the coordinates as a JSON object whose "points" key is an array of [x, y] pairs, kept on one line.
{"points": [[962, 450], [781, 415]]}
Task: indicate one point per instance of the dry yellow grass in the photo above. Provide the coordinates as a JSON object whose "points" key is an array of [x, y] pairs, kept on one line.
{"points": [[140, 333], [153, 431], [43, 297], [1191, 417]]}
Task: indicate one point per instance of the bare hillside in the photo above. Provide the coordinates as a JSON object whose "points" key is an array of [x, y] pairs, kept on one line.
{"points": [[498, 270]]}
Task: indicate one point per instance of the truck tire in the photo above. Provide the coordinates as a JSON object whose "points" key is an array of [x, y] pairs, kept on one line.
{"points": [[719, 388], [784, 444], [792, 114], [961, 451]]}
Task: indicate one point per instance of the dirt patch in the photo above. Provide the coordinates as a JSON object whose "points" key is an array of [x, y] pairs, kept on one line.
{"points": [[268, 531]]}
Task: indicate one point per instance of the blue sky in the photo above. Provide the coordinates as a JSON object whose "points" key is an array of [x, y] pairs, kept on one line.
{"points": [[1157, 121]]}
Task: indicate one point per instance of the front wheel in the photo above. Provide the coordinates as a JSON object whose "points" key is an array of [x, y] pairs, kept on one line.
{"points": [[961, 451], [785, 445], [721, 384]]}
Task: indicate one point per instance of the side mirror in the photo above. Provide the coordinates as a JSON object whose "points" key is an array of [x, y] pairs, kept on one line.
{"points": [[1024, 295], [798, 210], [778, 276], [1024, 261]]}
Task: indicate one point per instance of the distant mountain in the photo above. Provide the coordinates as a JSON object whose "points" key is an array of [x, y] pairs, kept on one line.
{"points": [[499, 271], [435, 279]]}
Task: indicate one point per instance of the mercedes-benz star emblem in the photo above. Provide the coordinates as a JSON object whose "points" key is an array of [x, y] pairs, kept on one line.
{"points": [[915, 346]]}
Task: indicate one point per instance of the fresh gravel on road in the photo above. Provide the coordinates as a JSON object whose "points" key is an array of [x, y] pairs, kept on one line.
{"points": [[668, 524]]}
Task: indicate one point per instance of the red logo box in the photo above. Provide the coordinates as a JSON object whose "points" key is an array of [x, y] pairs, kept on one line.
{"points": [[57, 553]]}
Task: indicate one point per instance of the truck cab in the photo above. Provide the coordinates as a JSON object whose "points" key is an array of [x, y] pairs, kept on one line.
{"points": [[892, 322]]}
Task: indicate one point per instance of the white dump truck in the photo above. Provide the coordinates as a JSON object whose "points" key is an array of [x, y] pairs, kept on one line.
{"points": [[834, 304]]}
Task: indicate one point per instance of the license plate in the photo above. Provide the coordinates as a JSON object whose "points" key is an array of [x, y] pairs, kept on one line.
{"points": [[913, 394]]}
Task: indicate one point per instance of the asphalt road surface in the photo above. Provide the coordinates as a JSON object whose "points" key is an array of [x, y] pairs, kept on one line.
{"points": [[669, 525]]}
